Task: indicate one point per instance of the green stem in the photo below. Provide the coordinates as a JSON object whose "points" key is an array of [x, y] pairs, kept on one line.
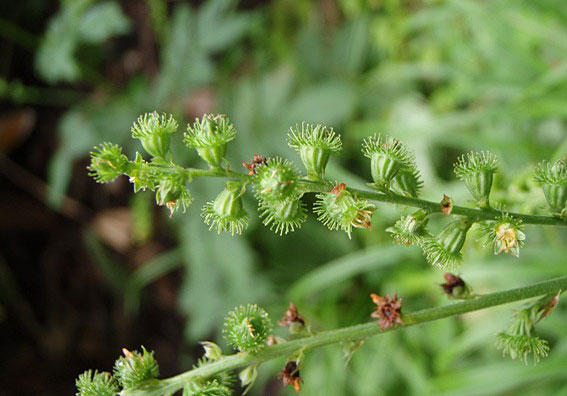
{"points": [[351, 333], [432, 207]]}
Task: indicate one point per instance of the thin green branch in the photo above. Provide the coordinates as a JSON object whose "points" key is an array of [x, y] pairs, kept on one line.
{"points": [[351, 333], [433, 207]]}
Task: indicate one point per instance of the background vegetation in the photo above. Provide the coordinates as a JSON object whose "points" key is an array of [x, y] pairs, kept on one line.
{"points": [[86, 269]]}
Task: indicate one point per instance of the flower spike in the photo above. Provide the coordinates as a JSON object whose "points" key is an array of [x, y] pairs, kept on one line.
{"points": [[315, 145]]}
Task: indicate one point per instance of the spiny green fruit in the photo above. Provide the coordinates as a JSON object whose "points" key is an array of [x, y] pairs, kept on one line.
{"points": [[445, 249], [553, 179], [154, 132], [227, 212], [276, 180], [247, 328], [477, 171], [209, 136]]}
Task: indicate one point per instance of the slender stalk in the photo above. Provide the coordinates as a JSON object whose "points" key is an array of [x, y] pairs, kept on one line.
{"points": [[433, 207], [351, 333]]}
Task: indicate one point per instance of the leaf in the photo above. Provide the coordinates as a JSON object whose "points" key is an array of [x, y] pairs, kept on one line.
{"points": [[218, 26], [102, 21]]}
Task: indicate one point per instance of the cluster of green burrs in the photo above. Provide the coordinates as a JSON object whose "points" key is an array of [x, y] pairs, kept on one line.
{"points": [[279, 186]]}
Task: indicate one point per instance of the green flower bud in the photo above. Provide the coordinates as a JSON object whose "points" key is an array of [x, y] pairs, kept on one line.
{"points": [[276, 180], [520, 340], [388, 156], [477, 171], [315, 145], [339, 209], [284, 216], [154, 133], [107, 163], [410, 229], [445, 250], [553, 180], [248, 377], [226, 212], [506, 234], [134, 368], [247, 328], [212, 351], [209, 137], [94, 383], [173, 193]]}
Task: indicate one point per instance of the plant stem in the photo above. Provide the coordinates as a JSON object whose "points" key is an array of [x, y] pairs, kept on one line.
{"points": [[432, 207], [351, 333]]}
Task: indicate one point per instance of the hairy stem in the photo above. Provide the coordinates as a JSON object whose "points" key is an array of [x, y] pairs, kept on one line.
{"points": [[433, 207], [351, 333]]}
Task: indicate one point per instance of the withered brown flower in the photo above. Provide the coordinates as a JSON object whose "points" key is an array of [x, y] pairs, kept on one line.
{"points": [[292, 317], [389, 311], [257, 160], [339, 189], [447, 204], [290, 375], [452, 281]]}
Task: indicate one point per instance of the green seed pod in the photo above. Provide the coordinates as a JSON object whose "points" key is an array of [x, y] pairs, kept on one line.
{"points": [[172, 193], [135, 367], [284, 216], [107, 163], [445, 250], [226, 212], [154, 132], [408, 183], [247, 328], [276, 180], [315, 145], [209, 137], [94, 383], [388, 156], [477, 171], [410, 229], [340, 210], [553, 180]]}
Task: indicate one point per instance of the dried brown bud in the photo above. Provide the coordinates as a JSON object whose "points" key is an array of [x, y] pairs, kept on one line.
{"points": [[339, 189], [389, 311], [447, 204], [455, 286], [548, 307], [290, 375], [257, 160], [293, 319]]}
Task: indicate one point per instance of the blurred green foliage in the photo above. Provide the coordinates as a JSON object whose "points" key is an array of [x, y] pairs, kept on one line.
{"points": [[443, 76]]}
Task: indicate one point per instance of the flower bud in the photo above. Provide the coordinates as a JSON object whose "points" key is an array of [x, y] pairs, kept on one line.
{"points": [[209, 137], [226, 212], [247, 328], [94, 383], [315, 145], [284, 216], [107, 163], [388, 156], [410, 229], [553, 180], [505, 234], [154, 133], [212, 351], [135, 367], [339, 209], [173, 193], [445, 249], [276, 180], [477, 171]]}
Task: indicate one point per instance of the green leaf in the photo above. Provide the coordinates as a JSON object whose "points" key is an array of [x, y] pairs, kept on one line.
{"points": [[102, 21], [219, 25]]}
